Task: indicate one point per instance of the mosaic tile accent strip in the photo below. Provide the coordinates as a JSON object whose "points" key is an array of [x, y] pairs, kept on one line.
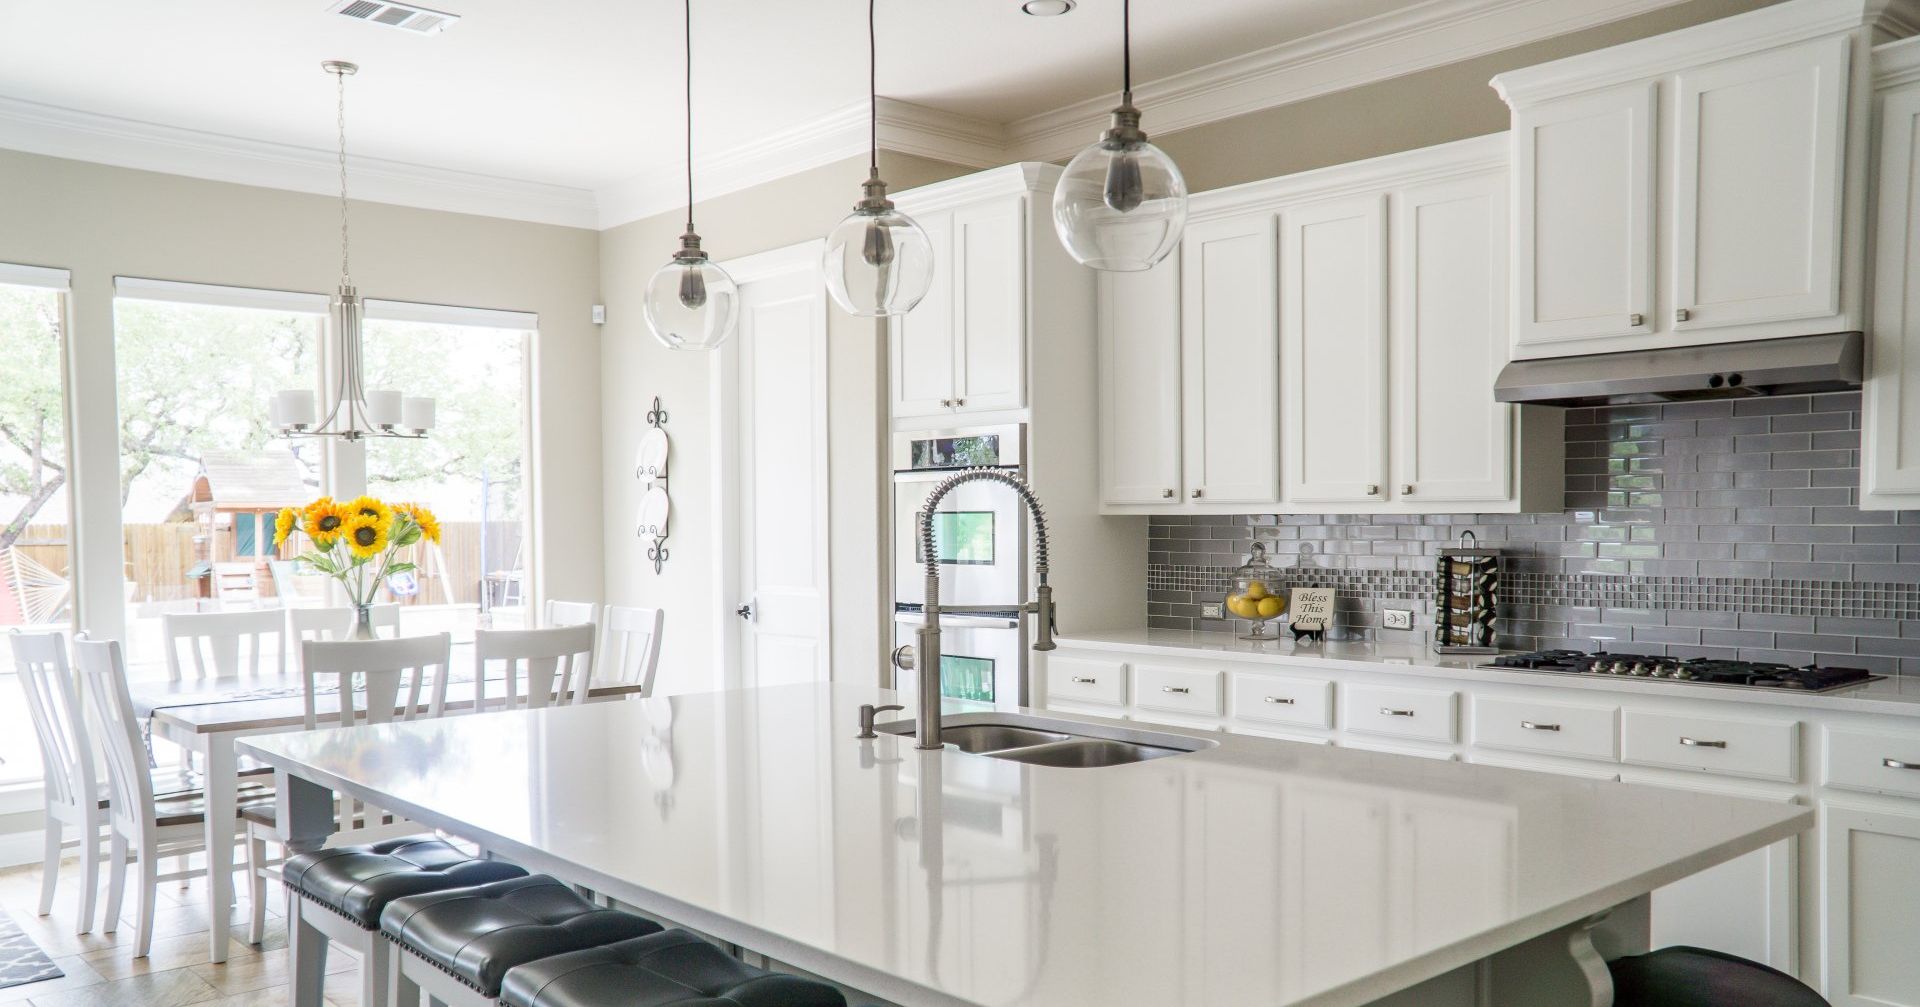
{"points": [[1722, 529]]}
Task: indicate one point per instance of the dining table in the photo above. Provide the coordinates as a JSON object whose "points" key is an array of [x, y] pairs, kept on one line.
{"points": [[208, 715]]}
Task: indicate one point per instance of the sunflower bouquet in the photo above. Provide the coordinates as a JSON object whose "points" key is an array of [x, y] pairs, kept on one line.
{"points": [[355, 542]]}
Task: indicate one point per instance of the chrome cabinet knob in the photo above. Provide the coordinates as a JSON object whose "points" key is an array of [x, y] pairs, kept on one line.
{"points": [[1168, 494], [959, 402], [1636, 319], [1681, 314], [1197, 494], [1696, 743], [1373, 489], [1406, 489]]}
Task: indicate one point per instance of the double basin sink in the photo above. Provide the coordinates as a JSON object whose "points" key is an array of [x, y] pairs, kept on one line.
{"points": [[1038, 741]]}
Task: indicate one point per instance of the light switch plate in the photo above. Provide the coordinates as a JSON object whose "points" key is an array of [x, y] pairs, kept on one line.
{"points": [[1397, 618], [1210, 610]]}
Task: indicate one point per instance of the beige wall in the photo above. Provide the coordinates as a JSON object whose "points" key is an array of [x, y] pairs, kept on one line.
{"points": [[100, 221], [1406, 113], [635, 368]]}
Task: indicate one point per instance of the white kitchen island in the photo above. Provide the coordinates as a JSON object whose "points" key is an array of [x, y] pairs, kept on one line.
{"points": [[1250, 872]]}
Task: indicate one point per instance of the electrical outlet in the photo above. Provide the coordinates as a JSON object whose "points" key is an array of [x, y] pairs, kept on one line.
{"points": [[1397, 618], [1210, 610]]}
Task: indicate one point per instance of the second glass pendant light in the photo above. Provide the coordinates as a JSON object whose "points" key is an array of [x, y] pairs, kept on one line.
{"points": [[691, 303], [878, 261]]}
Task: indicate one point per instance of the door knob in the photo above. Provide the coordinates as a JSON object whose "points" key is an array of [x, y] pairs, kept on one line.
{"points": [[745, 611]]}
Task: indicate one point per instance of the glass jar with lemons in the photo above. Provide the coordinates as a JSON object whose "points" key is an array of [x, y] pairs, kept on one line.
{"points": [[1256, 595]]}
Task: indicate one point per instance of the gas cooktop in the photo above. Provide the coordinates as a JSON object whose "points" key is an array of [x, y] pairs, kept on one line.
{"points": [[1709, 671]]}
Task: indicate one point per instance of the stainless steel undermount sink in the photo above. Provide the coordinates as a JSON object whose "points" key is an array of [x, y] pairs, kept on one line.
{"points": [[1039, 741]]}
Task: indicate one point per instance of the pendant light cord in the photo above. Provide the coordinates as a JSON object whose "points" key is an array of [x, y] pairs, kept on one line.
{"points": [[1126, 52], [340, 80], [873, 93], [689, 29]]}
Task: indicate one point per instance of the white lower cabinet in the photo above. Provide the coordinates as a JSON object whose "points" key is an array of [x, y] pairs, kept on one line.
{"points": [[1871, 895]]}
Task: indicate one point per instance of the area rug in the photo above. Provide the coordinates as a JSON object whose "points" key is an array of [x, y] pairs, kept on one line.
{"points": [[21, 960]]}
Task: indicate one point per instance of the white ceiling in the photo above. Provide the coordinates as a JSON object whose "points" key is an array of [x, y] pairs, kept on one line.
{"points": [[583, 92], [572, 100]]}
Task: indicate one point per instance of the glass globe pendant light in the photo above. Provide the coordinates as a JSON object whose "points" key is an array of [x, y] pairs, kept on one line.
{"points": [[878, 261], [691, 302], [1121, 203]]}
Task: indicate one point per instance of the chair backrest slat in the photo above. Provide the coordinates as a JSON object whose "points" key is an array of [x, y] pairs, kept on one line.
{"points": [[557, 664], [631, 652], [103, 677], [59, 723], [380, 671], [217, 635]]}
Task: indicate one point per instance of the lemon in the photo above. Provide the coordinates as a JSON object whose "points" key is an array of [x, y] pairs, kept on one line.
{"points": [[1256, 590], [1245, 608], [1270, 607]]}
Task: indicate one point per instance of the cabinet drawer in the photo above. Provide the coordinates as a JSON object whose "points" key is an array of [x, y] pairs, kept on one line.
{"points": [[1182, 690], [1426, 714], [1761, 749], [1858, 760], [1279, 699], [1583, 732], [1086, 680]]}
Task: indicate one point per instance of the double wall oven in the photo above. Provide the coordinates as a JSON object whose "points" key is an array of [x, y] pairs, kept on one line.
{"points": [[980, 541]]}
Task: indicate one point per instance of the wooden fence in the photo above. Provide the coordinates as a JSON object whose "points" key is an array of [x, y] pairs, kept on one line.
{"points": [[159, 556]]}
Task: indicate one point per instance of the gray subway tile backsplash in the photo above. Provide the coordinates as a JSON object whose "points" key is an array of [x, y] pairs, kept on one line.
{"points": [[1699, 529]]}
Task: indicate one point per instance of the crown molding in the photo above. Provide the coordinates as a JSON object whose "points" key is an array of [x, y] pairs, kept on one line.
{"points": [[1390, 45], [1478, 155], [1034, 177], [1896, 63], [128, 143]]}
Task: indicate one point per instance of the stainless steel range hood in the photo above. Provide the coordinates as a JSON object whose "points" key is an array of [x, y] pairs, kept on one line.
{"points": [[1823, 363]]}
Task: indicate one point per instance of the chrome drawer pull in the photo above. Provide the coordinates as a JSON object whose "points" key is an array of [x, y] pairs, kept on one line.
{"points": [[1388, 711], [1531, 726], [1691, 743], [1897, 764], [1081, 680], [1181, 689], [1279, 699]]}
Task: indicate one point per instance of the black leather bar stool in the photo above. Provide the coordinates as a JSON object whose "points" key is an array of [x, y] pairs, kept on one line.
{"points": [[1696, 977], [458, 945], [342, 891], [670, 969]]}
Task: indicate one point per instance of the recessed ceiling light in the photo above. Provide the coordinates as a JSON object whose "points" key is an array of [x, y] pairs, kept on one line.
{"points": [[1047, 8]]}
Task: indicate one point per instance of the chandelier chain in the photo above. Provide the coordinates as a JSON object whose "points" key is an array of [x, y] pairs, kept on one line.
{"points": [[873, 93], [340, 79], [689, 97], [1126, 51]]}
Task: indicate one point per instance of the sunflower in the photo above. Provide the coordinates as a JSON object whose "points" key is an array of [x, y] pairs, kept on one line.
{"points": [[324, 521], [429, 525], [366, 536], [370, 507], [283, 526]]}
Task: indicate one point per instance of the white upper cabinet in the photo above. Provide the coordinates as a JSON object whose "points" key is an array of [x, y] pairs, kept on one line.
{"points": [[1702, 186], [1759, 146], [1230, 361], [1583, 167], [1139, 324], [1333, 350], [1890, 416], [1338, 333], [963, 348], [923, 339], [1452, 443]]}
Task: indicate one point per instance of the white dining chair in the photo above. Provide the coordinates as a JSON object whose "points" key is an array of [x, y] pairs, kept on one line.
{"points": [[137, 821], [336, 623], [544, 667], [370, 678], [630, 645], [213, 638], [68, 775], [571, 613]]}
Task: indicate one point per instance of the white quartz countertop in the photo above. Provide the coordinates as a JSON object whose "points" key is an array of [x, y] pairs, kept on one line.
{"points": [[1896, 695], [1249, 872]]}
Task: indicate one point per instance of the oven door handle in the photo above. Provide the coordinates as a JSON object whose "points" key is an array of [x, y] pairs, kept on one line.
{"points": [[950, 621]]}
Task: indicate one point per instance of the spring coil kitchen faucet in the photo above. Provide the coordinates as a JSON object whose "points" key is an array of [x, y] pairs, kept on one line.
{"points": [[924, 656]]}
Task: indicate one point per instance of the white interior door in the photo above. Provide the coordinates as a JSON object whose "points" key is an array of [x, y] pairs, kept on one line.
{"points": [[777, 607]]}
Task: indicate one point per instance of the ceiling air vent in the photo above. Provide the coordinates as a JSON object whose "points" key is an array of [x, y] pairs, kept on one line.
{"points": [[418, 20]]}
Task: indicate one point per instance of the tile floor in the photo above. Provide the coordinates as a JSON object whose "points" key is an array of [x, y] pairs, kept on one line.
{"points": [[102, 972]]}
